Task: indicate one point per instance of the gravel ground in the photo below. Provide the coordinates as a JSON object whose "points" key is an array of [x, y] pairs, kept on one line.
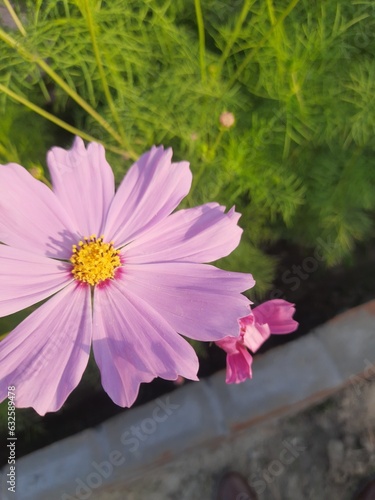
{"points": [[324, 452]]}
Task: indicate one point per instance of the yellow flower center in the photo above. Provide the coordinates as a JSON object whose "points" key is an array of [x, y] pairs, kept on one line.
{"points": [[94, 261]]}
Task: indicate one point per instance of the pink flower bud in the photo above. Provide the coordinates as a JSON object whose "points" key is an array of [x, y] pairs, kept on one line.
{"points": [[227, 119]]}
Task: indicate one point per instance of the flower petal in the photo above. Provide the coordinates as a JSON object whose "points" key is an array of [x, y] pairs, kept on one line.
{"points": [[255, 334], [46, 355], [197, 300], [238, 366], [150, 191], [278, 313], [239, 360], [134, 344], [201, 234], [230, 344], [26, 278], [84, 183], [32, 218]]}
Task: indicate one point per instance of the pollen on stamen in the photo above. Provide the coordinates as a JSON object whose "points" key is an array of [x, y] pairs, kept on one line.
{"points": [[94, 261]]}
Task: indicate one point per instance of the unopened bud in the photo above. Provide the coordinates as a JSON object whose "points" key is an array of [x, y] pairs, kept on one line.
{"points": [[179, 380], [227, 119], [36, 171]]}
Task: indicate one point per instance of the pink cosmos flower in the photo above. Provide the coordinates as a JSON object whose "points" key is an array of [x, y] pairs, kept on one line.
{"points": [[273, 316], [124, 274]]}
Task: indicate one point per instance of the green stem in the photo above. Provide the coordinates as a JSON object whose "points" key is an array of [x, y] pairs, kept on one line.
{"points": [[210, 155], [215, 145], [102, 75], [197, 177], [15, 18], [251, 54], [61, 123], [9, 153], [202, 44], [60, 82], [233, 38], [271, 12]]}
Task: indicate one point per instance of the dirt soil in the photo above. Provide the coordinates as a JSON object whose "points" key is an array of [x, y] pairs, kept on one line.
{"points": [[339, 440]]}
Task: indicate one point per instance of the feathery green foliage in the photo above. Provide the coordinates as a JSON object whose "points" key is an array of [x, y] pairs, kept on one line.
{"points": [[298, 76], [299, 163]]}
